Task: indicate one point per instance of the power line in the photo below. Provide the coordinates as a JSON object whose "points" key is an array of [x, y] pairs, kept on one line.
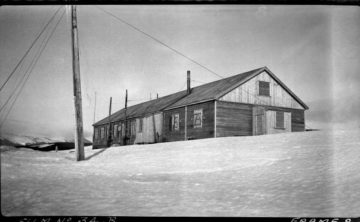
{"points": [[176, 51], [197, 81], [33, 43], [31, 68], [183, 86], [25, 74], [157, 40]]}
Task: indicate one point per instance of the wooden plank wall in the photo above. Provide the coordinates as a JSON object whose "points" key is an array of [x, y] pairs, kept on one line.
{"points": [[271, 122], [259, 124], [100, 143], [177, 135], [147, 134], [233, 119], [207, 129], [297, 118], [248, 93]]}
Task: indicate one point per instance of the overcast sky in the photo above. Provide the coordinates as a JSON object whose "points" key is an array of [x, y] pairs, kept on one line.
{"points": [[314, 50]]}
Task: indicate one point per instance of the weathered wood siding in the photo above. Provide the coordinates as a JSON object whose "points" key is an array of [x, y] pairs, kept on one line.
{"points": [[296, 116], [118, 132], [207, 129], [233, 119], [100, 142], [259, 120], [151, 130], [173, 135], [248, 93], [297, 120], [271, 122]]}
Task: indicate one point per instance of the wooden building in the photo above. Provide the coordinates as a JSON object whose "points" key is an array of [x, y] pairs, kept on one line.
{"points": [[141, 123], [251, 103]]}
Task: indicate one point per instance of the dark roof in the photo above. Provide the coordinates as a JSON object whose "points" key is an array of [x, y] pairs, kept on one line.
{"points": [[206, 92], [211, 91], [144, 108]]}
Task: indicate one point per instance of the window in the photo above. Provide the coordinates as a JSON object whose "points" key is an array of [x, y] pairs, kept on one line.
{"points": [[102, 133], [119, 127], [96, 136], [132, 128], [170, 123], [122, 128], [141, 122], [108, 131], [115, 130], [175, 121], [264, 88], [279, 120], [198, 118]]}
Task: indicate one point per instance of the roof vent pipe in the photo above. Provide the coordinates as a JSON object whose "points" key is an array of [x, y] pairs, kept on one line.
{"points": [[188, 82]]}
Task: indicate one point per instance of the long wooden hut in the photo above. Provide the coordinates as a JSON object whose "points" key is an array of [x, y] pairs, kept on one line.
{"points": [[251, 103], [141, 123]]}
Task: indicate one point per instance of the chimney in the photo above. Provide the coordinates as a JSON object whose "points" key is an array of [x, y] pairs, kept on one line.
{"points": [[188, 82]]}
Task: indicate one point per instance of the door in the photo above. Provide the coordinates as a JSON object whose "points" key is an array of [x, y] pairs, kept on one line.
{"points": [[259, 121]]}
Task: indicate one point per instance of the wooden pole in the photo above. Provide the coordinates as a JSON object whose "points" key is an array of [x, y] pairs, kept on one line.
{"points": [[109, 131], [125, 125], [79, 143]]}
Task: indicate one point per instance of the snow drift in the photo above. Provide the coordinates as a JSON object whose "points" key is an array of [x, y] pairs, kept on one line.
{"points": [[309, 174]]}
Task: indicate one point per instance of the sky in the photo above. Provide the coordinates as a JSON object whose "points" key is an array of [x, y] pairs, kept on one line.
{"points": [[314, 50]]}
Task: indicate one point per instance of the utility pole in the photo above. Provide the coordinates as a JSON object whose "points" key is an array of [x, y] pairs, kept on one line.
{"points": [[79, 138], [109, 131], [125, 125], [94, 108]]}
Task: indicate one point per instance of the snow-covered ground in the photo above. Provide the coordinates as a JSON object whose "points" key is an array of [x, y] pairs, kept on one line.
{"points": [[314, 173]]}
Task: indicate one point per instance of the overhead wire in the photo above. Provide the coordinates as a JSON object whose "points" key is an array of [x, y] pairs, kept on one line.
{"points": [[31, 67], [159, 41], [19, 83], [175, 50], [29, 71], [28, 50]]}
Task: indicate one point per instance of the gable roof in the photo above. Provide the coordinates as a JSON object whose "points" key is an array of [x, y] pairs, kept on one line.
{"points": [[206, 92], [144, 108], [210, 91], [215, 90]]}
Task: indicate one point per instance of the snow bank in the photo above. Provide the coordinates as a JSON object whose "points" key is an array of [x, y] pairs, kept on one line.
{"points": [[293, 174]]}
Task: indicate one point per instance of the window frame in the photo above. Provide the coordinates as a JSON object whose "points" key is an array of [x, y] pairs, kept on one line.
{"points": [[132, 128], [279, 118], [175, 125], [102, 132], [195, 114], [261, 89], [96, 136], [115, 130], [141, 123], [107, 131], [122, 129]]}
